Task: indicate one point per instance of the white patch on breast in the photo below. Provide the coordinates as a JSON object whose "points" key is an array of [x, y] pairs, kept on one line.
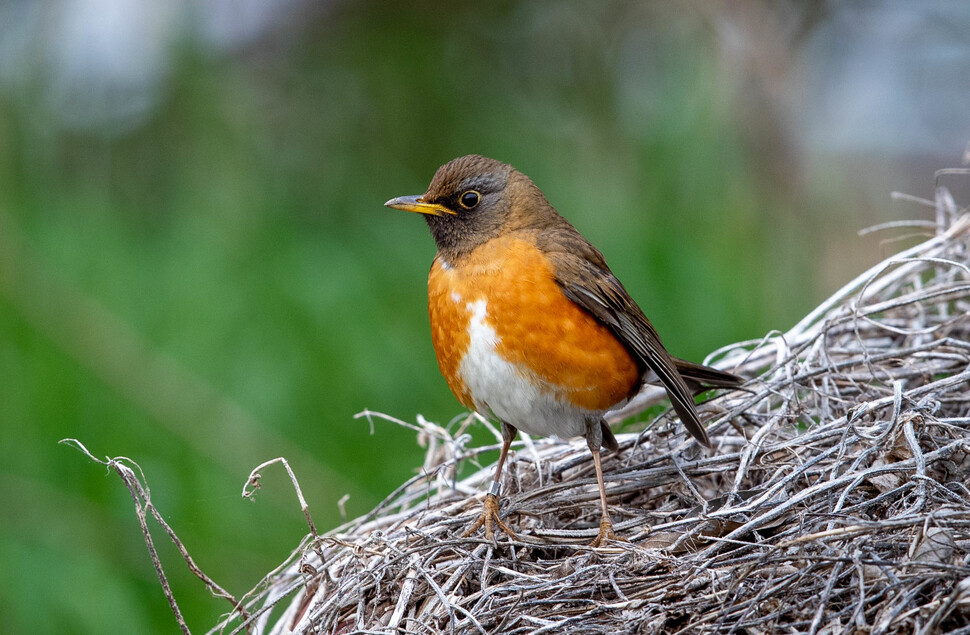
{"points": [[514, 394], [456, 297]]}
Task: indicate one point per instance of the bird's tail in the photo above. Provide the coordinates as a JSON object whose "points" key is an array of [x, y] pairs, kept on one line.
{"points": [[699, 377]]}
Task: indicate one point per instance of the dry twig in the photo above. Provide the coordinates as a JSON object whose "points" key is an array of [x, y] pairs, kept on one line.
{"points": [[134, 480]]}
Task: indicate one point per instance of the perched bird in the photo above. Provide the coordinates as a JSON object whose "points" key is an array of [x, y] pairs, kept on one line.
{"points": [[529, 323]]}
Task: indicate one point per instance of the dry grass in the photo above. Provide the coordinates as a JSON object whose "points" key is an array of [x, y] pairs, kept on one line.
{"points": [[835, 501]]}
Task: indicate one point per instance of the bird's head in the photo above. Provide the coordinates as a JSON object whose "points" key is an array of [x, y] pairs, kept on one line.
{"points": [[473, 199]]}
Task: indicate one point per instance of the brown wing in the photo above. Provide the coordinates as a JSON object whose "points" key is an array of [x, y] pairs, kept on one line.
{"points": [[585, 278]]}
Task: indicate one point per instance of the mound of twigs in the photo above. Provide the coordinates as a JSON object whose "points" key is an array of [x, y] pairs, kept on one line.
{"points": [[835, 500]]}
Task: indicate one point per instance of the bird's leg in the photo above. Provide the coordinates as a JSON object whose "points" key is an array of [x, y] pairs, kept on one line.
{"points": [[606, 525], [594, 439], [489, 515]]}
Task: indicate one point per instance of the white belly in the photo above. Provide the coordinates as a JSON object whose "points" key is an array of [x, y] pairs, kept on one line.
{"points": [[514, 394]]}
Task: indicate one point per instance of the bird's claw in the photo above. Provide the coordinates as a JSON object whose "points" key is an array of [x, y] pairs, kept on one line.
{"points": [[605, 533], [488, 518]]}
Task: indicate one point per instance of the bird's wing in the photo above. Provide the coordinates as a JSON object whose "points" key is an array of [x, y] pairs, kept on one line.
{"points": [[584, 277]]}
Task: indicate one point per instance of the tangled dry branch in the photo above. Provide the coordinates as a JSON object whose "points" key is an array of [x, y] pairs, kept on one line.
{"points": [[836, 499]]}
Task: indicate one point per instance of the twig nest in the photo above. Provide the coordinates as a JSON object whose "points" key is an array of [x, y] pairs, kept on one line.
{"points": [[837, 498]]}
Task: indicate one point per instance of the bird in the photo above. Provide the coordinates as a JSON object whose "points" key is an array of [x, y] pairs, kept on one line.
{"points": [[530, 326]]}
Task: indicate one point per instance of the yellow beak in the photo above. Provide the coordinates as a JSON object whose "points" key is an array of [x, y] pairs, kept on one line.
{"points": [[415, 204]]}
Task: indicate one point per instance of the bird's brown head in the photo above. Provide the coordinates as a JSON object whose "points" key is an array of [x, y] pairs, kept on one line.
{"points": [[473, 199]]}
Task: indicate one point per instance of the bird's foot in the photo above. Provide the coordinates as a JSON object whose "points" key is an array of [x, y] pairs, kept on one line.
{"points": [[605, 534], [488, 519]]}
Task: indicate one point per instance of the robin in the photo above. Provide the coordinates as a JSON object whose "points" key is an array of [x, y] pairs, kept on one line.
{"points": [[528, 322]]}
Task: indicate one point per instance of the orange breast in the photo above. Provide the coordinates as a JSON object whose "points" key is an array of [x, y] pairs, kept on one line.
{"points": [[541, 332]]}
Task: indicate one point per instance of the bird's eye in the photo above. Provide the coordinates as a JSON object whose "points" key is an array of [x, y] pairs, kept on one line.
{"points": [[470, 199]]}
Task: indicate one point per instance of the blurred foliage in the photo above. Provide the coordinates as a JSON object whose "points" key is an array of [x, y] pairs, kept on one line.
{"points": [[221, 285]]}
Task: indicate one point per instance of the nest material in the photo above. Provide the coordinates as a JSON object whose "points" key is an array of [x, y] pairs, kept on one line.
{"points": [[835, 500]]}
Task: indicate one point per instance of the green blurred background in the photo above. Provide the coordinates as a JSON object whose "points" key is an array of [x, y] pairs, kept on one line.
{"points": [[196, 270]]}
